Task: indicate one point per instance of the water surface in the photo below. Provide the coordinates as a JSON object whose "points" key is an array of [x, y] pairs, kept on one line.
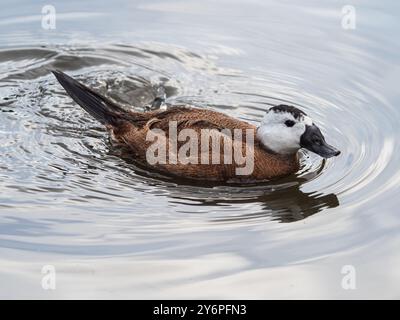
{"points": [[112, 230]]}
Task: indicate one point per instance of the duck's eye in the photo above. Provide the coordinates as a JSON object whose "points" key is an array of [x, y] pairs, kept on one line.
{"points": [[289, 123]]}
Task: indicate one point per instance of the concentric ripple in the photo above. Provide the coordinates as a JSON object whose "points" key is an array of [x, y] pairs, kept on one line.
{"points": [[54, 150]]}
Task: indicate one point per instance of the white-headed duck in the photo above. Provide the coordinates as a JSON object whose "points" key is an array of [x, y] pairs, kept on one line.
{"points": [[273, 145]]}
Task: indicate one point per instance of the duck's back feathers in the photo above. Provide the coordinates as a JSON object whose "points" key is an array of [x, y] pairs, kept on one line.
{"points": [[221, 128]]}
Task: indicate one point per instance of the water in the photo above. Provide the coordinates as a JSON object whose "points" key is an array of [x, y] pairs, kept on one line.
{"points": [[112, 230]]}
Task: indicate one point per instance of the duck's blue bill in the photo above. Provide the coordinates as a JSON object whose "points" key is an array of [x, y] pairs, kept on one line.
{"points": [[313, 140]]}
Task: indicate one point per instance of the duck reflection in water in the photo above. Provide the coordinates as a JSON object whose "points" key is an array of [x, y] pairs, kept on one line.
{"points": [[284, 202]]}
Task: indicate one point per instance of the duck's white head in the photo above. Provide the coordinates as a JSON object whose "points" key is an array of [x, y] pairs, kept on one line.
{"points": [[285, 129]]}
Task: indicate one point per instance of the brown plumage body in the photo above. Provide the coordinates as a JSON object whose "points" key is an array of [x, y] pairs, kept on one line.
{"points": [[130, 129], [134, 127]]}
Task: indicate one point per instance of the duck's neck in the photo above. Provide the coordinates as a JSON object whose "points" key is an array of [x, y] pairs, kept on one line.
{"points": [[274, 148]]}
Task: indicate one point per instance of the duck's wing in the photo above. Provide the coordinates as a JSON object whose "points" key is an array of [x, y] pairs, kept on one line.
{"points": [[185, 117], [197, 123]]}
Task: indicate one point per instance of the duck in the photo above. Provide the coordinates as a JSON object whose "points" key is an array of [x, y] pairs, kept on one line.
{"points": [[201, 144]]}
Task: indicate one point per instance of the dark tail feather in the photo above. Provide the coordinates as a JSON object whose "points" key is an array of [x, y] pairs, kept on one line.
{"points": [[96, 105]]}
